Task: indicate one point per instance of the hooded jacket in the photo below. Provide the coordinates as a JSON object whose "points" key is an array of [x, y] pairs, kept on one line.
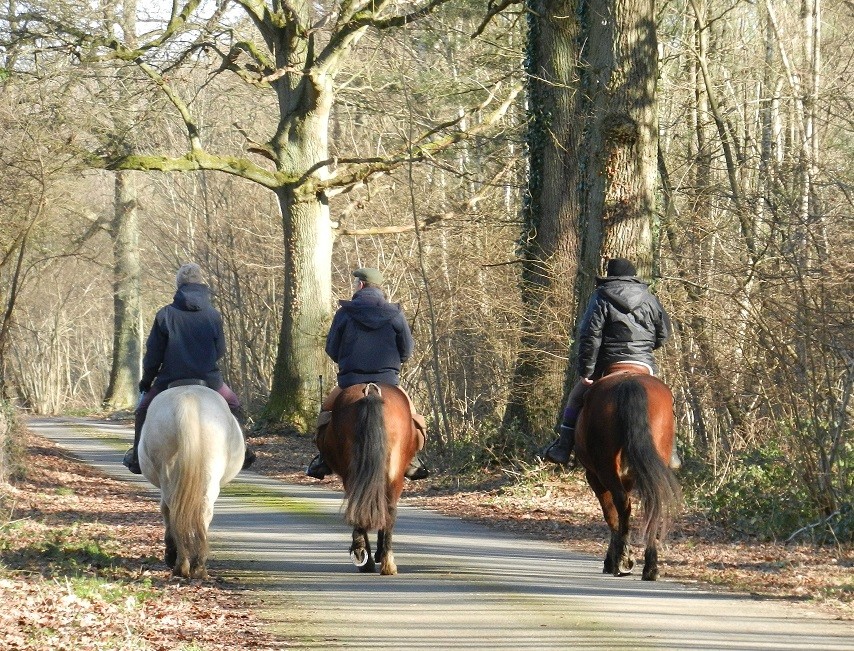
{"points": [[186, 341], [623, 322], [369, 339]]}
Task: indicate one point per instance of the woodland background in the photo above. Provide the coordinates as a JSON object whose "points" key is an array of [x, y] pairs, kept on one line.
{"points": [[437, 164]]}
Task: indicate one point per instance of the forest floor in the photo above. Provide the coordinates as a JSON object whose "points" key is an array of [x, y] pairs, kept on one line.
{"points": [[98, 582]]}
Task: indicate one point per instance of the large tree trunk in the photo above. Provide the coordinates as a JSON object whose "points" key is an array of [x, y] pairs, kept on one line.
{"points": [[302, 145], [620, 69], [127, 317], [294, 395], [549, 238]]}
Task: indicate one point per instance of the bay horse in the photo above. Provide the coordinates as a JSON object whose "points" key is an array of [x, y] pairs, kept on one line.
{"points": [[369, 443], [190, 446], [624, 440]]}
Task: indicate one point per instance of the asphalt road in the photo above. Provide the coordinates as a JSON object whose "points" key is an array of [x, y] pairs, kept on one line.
{"points": [[461, 585]]}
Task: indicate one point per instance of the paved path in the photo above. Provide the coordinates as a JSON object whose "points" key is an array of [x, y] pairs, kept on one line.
{"points": [[461, 586]]}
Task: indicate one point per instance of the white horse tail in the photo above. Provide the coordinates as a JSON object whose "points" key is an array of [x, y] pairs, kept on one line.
{"points": [[189, 498]]}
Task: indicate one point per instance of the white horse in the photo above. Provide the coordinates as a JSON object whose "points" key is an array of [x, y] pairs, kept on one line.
{"points": [[190, 447]]}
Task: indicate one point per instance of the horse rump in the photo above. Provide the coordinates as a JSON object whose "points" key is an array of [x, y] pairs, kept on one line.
{"points": [[190, 445]]}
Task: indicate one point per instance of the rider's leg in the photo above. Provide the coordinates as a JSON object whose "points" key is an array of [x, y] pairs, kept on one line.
{"points": [[131, 459], [317, 467], [560, 449], [416, 468], [240, 416]]}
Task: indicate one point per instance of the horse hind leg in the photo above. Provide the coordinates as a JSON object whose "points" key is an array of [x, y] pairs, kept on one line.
{"points": [[198, 568], [360, 551], [385, 556], [619, 561], [614, 562], [622, 550], [650, 562], [170, 555], [617, 511], [198, 564]]}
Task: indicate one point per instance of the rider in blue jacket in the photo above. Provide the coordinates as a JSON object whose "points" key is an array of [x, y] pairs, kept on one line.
{"points": [[185, 343], [623, 323], [369, 339]]}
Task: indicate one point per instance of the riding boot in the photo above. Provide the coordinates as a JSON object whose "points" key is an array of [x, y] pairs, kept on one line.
{"points": [[318, 468], [559, 451], [249, 455], [131, 460], [416, 469]]}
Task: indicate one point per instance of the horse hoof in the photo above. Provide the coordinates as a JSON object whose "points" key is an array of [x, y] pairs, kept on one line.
{"points": [[388, 569], [360, 557], [652, 575], [625, 569]]}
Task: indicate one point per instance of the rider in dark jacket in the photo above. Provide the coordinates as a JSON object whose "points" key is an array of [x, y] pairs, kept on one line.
{"points": [[624, 323], [185, 343], [369, 339]]}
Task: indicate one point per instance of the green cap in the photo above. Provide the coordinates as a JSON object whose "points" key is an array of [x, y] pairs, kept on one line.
{"points": [[373, 276]]}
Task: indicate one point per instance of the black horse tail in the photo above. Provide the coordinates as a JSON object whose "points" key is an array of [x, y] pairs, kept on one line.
{"points": [[659, 491], [367, 495]]}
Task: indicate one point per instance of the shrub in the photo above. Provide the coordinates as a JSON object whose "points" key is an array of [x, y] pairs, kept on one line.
{"points": [[759, 495], [12, 446]]}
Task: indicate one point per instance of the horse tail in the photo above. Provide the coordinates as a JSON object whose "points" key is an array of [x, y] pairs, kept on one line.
{"points": [[189, 494], [367, 495], [655, 482]]}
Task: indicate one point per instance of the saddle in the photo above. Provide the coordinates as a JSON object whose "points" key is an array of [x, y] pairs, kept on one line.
{"points": [[186, 383], [325, 416], [627, 367]]}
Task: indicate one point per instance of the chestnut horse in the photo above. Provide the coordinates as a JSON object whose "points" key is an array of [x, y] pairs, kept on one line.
{"points": [[624, 440], [190, 447], [369, 443]]}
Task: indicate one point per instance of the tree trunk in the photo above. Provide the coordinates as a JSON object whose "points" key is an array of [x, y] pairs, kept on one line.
{"points": [[294, 395], [620, 60], [549, 238], [127, 316]]}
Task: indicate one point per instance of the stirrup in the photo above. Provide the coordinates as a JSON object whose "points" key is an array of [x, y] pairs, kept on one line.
{"points": [[249, 458], [416, 470], [555, 446], [318, 468], [131, 462]]}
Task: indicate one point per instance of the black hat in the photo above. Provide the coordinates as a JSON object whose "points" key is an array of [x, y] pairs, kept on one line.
{"points": [[368, 275], [621, 267]]}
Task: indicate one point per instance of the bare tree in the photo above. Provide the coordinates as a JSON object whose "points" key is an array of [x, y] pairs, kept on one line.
{"points": [[296, 51]]}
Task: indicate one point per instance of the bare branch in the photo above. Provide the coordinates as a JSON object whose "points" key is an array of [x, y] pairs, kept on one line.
{"points": [[492, 11]]}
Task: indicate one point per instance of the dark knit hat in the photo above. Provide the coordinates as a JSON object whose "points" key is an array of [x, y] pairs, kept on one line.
{"points": [[368, 275], [189, 273], [621, 267]]}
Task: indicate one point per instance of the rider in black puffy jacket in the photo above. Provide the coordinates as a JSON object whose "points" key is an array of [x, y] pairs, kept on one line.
{"points": [[623, 322]]}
